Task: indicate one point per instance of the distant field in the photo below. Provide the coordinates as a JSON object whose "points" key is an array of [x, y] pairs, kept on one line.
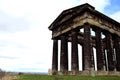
{"points": [[46, 77]]}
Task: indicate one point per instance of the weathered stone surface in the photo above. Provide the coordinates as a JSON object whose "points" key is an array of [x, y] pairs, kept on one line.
{"points": [[55, 56], [110, 51], [105, 60], [74, 56], [83, 67], [64, 54], [87, 48], [117, 50], [99, 48]]}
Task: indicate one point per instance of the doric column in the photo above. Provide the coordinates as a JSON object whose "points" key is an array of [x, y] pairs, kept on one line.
{"points": [[104, 54], [64, 54], [117, 50], [99, 53], [92, 58], [87, 48], [110, 51], [83, 67], [74, 56], [55, 56], [105, 60]]}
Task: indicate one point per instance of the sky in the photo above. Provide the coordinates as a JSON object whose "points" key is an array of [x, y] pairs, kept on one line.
{"points": [[25, 41]]}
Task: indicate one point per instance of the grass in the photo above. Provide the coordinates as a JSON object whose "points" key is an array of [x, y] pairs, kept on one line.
{"points": [[46, 77]]}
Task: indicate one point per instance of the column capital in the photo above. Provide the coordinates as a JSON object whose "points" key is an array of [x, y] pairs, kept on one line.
{"points": [[96, 29]]}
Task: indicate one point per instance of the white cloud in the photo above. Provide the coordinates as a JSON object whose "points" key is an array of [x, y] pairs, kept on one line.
{"points": [[12, 24]]}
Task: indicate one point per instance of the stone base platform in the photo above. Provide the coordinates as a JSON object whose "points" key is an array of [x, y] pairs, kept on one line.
{"points": [[88, 73]]}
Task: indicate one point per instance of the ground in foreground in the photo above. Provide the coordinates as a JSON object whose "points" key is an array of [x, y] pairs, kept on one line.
{"points": [[46, 77]]}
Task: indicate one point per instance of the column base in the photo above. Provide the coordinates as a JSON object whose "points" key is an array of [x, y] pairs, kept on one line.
{"points": [[118, 68], [54, 72]]}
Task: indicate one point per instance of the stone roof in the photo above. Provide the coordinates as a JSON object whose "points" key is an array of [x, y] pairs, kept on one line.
{"points": [[72, 12]]}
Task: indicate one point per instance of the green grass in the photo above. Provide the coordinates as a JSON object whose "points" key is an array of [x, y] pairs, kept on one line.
{"points": [[46, 77]]}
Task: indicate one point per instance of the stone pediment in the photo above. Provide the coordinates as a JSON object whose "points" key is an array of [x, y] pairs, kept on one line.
{"points": [[68, 14]]}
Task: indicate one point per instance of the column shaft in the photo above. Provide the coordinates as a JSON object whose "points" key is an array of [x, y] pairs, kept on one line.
{"points": [[110, 51], [55, 56], [117, 50], [74, 56], [99, 53], [83, 67], [64, 54], [87, 48], [105, 60], [92, 59]]}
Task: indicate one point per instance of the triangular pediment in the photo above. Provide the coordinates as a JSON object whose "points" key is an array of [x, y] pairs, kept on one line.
{"points": [[69, 13]]}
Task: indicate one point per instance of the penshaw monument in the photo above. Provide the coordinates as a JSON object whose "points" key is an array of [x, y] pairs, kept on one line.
{"points": [[76, 25]]}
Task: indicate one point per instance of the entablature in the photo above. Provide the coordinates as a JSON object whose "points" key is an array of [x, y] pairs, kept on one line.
{"points": [[90, 18]]}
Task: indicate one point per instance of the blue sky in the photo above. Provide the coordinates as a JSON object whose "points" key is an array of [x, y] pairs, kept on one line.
{"points": [[113, 7], [25, 41]]}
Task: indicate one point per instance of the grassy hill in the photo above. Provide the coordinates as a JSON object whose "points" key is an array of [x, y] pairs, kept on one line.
{"points": [[46, 77]]}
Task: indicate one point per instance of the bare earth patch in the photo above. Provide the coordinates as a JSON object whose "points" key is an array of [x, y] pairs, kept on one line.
{"points": [[9, 77]]}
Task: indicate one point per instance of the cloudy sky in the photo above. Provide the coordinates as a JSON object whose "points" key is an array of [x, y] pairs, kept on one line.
{"points": [[25, 41]]}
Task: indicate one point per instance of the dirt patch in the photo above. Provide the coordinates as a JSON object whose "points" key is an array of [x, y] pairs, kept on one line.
{"points": [[9, 77]]}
